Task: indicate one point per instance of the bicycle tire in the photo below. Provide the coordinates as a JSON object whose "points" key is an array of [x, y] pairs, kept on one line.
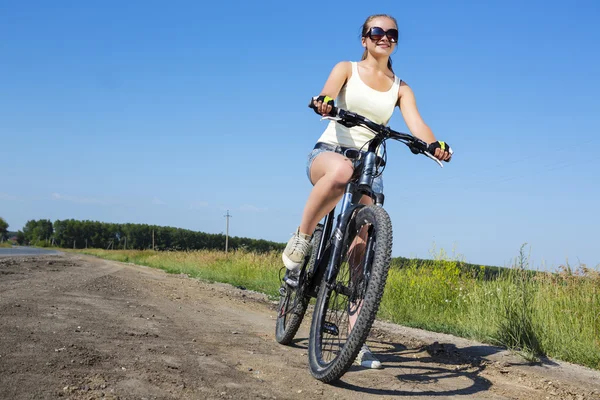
{"points": [[289, 317], [331, 370]]}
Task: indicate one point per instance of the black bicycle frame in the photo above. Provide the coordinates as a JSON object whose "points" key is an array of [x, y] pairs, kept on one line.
{"points": [[331, 244]]}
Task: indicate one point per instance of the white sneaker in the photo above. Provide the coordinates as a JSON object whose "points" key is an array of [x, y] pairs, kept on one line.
{"points": [[366, 359], [295, 251]]}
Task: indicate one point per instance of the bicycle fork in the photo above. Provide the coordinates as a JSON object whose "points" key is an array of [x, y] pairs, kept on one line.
{"points": [[337, 239]]}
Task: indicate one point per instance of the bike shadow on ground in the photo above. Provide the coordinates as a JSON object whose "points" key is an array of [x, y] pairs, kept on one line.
{"points": [[433, 369], [451, 354], [299, 343], [430, 370]]}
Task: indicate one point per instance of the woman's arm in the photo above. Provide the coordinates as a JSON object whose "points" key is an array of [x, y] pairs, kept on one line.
{"points": [[336, 80], [410, 113], [414, 122]]}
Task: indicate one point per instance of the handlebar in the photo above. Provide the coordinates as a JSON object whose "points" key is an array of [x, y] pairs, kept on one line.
{"points": [[382, 132]]}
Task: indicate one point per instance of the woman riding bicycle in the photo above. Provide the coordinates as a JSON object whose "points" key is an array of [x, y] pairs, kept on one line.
{"points": [[370, 88]]}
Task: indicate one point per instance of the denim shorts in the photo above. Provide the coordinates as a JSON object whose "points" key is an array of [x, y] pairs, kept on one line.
{"points": [[377, 182]]}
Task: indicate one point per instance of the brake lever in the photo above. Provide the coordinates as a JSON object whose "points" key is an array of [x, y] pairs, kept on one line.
{"points": [[330, 118], [428, 154]]}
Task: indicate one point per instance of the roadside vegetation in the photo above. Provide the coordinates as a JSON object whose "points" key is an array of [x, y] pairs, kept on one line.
{"points": [[536, 313]]}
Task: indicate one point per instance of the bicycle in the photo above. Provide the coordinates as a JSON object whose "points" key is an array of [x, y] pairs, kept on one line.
{"points": [[343, 288]]}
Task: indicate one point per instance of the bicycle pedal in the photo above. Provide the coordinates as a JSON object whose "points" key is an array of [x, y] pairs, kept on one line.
{"points": [[331, 329]]}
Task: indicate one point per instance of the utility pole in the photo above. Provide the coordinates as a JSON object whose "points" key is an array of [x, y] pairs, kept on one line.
{"points": [[227, 231], [152, 239]]}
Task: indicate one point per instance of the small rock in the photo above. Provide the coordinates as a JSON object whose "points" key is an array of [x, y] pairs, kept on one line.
{"points": [[249, 369]]}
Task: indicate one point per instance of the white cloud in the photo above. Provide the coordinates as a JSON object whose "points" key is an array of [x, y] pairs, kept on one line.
{"points": [[157, 201], [251, 208], [76, 199], [6, 196], [194, 205]]}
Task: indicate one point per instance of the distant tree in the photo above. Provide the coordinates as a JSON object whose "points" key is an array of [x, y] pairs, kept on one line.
{"points": [[3, 229], [39, 230], [79, 234], [20, 238]]}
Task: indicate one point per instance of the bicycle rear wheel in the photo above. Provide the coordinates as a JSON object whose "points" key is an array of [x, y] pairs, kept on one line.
{"points": [[293, 302], [345, 310]]}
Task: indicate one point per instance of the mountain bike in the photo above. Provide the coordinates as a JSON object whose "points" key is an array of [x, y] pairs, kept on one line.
{"points": [[347, 266]]}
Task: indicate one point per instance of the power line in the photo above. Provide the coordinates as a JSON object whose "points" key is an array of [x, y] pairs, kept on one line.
{"points": [[227, 231]]}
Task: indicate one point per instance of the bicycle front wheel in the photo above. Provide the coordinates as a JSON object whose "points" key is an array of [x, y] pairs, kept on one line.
{"points": [[345, 310]]}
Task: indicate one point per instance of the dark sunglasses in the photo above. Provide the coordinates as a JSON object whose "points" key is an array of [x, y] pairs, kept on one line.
{"points": [[376, 33]]}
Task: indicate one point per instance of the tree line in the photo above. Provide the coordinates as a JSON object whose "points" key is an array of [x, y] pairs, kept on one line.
{"points": [[78, 234], [73, 233]]}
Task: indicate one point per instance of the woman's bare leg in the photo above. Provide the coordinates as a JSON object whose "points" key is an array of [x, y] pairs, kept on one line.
{"points": [[329, 173]]}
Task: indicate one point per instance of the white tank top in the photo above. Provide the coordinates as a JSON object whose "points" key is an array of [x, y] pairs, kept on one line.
{"points": [[358, 97]]}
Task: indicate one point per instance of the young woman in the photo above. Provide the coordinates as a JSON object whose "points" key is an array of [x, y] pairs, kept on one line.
{"points": [[370, 88]]}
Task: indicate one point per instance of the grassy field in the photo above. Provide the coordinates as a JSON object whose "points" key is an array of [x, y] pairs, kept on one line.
{"points": [[553, 314]]}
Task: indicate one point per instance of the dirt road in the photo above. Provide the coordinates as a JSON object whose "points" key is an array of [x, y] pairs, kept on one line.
{"points": [[78, 327]]}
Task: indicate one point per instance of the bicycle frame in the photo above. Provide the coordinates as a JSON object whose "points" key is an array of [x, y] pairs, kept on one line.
{"points": [[330, 246]]}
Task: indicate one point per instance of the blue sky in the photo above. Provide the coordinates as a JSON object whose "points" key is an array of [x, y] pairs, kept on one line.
{"points": [[172, 113]]}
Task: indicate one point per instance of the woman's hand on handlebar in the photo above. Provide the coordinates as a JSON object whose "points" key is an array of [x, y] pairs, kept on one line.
{"points": [[323, 105], [440, 150]]}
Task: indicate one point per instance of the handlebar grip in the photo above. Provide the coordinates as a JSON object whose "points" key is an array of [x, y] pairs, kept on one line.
{"points": [[332, 113]]}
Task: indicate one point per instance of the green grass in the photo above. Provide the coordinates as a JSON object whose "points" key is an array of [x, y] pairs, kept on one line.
{"points": [[557, 315], [536, 314], [258, 272], [6, 244]]}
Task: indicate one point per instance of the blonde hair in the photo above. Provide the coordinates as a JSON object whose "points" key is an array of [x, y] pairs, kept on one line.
{"points": [[365, 29]]}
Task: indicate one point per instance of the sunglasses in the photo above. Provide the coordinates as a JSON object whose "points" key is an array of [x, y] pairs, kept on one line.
{"points": [[376, 33]]}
